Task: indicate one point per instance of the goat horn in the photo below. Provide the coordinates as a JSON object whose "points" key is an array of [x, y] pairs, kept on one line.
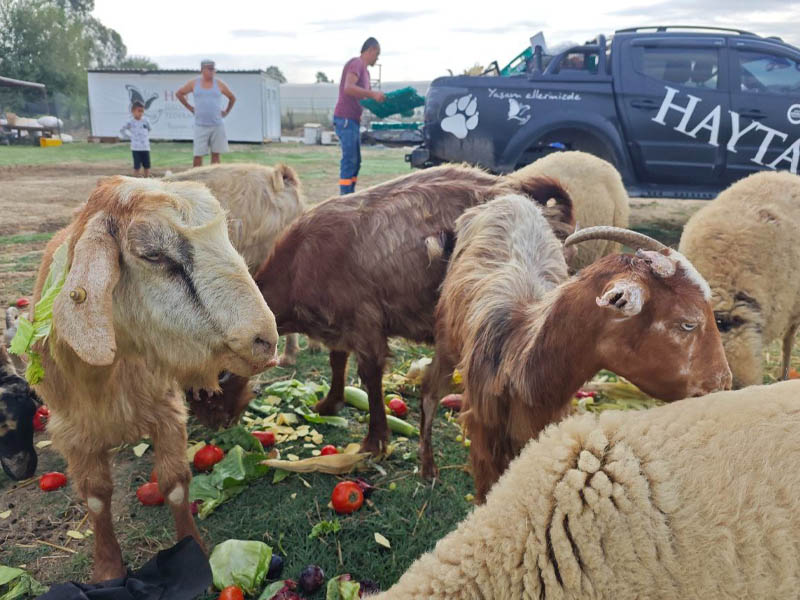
{"points": [[630, 238]]}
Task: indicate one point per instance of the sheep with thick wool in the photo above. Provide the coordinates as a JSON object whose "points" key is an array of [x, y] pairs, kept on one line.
{"points": [[260, 199], [745, 244], [598, 196], [696, 499]]}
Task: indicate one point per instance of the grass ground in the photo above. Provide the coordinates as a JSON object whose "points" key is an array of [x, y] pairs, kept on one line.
{"points": [[39, 189]]}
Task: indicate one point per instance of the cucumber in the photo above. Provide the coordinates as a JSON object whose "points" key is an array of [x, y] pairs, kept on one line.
{"points": [[358, 398]]}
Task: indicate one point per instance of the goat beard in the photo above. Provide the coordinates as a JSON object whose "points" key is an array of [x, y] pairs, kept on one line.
{"points": [[222, 404]]}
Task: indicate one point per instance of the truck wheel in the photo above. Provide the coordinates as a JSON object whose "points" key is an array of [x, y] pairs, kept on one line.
{"points": [[564, 140]]}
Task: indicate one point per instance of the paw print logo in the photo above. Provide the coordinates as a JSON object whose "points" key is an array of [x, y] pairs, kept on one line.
{"points": [[462, 116]]}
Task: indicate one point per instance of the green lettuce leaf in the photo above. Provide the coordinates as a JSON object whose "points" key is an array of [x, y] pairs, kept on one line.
{"points": [[238, 436], [16, 583], [271, 590], [341, 589], [29, 333], [324, 528], [229, 478], [240, 562]]}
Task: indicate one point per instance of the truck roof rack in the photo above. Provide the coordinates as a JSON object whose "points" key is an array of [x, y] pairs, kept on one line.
{"points": [[661, 28]]}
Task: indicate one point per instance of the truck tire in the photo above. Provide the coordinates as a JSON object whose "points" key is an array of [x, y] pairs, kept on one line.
{"points": [[561, 140]]}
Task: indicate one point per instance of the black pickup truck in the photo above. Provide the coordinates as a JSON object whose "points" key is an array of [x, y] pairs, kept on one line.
{"points": [[680, 111]]}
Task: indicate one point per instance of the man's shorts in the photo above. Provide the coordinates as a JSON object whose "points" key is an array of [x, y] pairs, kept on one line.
{"points": [[141, 158], [210, 138]]}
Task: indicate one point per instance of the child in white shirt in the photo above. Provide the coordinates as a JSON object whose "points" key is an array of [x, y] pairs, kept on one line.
{"points": [[138, 130]]}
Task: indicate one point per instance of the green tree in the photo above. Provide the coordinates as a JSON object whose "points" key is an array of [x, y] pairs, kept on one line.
{"points": [[136, 62], [322, 78], [276, 74], [54, 42]]}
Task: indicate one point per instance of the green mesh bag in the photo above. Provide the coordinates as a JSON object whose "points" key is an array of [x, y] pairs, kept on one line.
{"points": [[402, 101]]}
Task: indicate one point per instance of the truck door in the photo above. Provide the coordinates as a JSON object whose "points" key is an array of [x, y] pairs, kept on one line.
{"points": [[673, 100], [765, 100]]}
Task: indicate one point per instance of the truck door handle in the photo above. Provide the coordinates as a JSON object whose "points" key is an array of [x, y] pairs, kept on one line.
{"points": [[753, 113], [645, 104]]}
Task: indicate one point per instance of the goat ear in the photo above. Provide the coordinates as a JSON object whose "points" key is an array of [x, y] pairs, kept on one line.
{"points": [[82, 311], [287, 174], [283, 176], [624, 295], [662, 265]]}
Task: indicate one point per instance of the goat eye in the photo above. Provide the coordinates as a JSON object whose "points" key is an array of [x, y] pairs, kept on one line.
{"points": [[152, 257], [688, 326]]}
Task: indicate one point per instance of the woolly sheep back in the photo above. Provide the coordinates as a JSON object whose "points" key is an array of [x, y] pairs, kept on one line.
{"points": [[696, 499], [745, 244], [597, 193], [265, 198]]}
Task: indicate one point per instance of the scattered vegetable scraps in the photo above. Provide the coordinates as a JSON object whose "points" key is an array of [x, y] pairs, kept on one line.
{"points": [[324, 528], [16, 583], [228, 478]]}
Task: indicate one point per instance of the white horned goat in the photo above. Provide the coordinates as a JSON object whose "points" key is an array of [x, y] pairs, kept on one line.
{"points": [[745, 244], [525, 339], [261, 201], [695, 499], [155, 300], [598, 196]]}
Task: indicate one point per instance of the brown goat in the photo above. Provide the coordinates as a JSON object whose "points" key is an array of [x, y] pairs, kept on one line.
{"points": [[155, 300], [355, 270], [524, 351]]}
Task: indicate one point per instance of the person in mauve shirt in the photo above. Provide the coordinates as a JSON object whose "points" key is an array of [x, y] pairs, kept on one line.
{"points": [[354, 85]]}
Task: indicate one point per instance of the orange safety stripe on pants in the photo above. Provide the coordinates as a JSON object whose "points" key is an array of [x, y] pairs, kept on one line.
{"points": [[347, 181]]}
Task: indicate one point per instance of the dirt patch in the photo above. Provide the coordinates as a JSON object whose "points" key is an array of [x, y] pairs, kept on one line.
{"points": [[662, 218], [39, 521], [35, 202]]}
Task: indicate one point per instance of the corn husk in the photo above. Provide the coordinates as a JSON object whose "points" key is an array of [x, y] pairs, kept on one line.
{"points": [[333, 464]]}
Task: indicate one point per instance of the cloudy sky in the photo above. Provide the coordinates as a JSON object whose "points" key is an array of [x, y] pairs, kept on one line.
{"points": [[419, 40]]}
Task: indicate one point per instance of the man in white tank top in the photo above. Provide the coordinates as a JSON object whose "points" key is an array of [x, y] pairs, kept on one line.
{"points": [[209, 129]]}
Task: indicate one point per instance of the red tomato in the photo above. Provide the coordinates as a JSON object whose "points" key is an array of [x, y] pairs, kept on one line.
{"points": [[329, 449], [398, 407], [267, 438], [207, 457], [347, 497], [52, 481], [231, 592], [452, 401], [149, 494], [40, 418]]}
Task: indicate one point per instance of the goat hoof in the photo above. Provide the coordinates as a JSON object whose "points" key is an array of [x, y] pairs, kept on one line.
{"points": [[376, 447], [327, 407], [429, 472], [286, 361]]}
